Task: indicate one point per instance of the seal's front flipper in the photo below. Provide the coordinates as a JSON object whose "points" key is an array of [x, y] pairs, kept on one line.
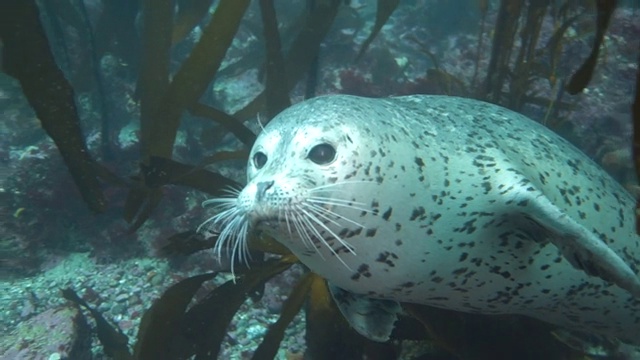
{"points": [[371, 318], [582, 248]]}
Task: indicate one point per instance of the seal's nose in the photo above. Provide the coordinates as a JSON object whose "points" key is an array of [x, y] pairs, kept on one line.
{"points": [[262, 188]]}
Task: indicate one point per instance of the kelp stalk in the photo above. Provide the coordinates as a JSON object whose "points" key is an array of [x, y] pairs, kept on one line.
{"points": [[28, 58], [195, 74]]}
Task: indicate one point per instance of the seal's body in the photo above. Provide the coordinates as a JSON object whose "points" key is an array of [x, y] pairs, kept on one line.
{"points": [[448, 202]]}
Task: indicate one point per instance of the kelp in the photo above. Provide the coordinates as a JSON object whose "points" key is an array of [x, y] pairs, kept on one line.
{"points": [[143, 199], [473, 336], [635, 113], [170, 329], [484, 7], [521, 70], [163, 102], [190, 13], [302, 52], [272, 339], [276, 91], [27, 57], [505, 31], [104, 108], [153, 76], [582, 76], [329, 336], [161, 171], [529, 36], [196, 72], [384, 10], [186, 243], [554, 47], [113, 340], [230, 123], [159, 332], [207, 321], [116, 31]]}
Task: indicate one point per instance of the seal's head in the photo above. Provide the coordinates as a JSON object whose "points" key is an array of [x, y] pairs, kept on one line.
{"points": [[302, 177]]}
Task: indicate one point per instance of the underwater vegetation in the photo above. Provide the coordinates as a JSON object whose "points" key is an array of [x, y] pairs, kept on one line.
{"points": [[171, 90]]}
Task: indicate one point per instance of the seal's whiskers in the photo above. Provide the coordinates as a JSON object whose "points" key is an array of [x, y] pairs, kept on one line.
{"points": [[231, 226], [307, 220], [322, 211], [335, 202]]}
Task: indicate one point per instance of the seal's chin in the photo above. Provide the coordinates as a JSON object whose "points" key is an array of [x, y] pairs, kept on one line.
{"points": [[266, 222]]}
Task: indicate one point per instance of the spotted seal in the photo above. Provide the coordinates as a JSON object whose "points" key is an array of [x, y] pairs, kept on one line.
{"points": [[442, 201]]}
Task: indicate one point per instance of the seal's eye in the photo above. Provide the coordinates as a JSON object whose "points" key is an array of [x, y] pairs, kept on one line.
{"points": [[322, 154], [259, 159]]}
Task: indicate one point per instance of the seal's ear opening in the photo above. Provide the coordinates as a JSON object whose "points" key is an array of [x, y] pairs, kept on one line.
{"points": [[322, 154]]}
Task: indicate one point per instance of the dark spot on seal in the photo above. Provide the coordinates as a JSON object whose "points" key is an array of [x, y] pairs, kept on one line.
{"points": [[417, 213], [384, 257], [387, 214], [370, 232], [408, 284], [363, 270], [419, 161]]}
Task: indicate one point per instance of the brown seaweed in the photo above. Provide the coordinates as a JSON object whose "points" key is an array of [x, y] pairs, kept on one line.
{"points": [[186, 243], [116, 31], [113, 340], [272, 339], [383, 11], [246, 136], [636, 136], [206, 322], [190, 13], [27, 57], [161, 171], [329, 336], [302, 52], [159, 333], [145, 196], [505, 30], [473, 336], [529, 36], [153, 77], [196, 72], [581, 78], [276, 92]]}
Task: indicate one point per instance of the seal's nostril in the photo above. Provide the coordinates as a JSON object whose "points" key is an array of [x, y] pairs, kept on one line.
{"points": [[263, 186]]}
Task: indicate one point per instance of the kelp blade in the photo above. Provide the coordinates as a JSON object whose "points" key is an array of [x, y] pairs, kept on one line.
{"points": [[159, 336], [205, 324], [114, 342], [195, 74], [26, 55], [383, 12], [582, 77], [329, 336], [268, 348]]}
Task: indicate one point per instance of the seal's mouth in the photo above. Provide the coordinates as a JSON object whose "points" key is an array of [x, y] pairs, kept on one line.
{"points": [[266, 222]]}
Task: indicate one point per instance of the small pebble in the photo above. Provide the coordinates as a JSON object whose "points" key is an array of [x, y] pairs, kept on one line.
{"points": [[157, 280], [118, 309]]}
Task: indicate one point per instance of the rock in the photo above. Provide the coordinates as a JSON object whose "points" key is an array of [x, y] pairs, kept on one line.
{"points": [[59, 333]]}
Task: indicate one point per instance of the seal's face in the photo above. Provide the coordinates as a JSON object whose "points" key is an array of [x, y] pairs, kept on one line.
{"points": [[300, 189]]}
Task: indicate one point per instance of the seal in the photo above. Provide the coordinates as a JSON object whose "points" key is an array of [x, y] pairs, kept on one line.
{"points": [[443, 201]]}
